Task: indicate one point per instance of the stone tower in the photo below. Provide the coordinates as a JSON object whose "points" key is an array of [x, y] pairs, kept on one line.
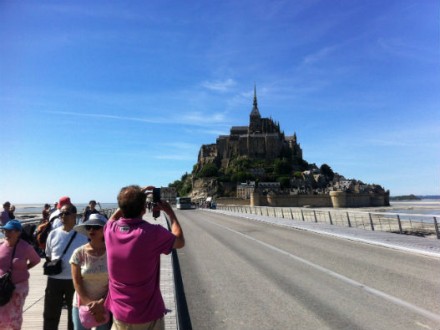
{"points": [[261, 139], [255, 117]]}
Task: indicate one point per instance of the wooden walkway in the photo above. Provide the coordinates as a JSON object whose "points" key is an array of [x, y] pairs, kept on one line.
{"points": [[34, 305]]}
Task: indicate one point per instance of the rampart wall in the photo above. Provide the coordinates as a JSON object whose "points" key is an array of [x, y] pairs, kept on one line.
{"points": [[336, 199], [231, 201]]}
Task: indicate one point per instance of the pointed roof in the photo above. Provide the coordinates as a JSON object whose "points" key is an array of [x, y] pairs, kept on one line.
{"points": [[255, 112]]}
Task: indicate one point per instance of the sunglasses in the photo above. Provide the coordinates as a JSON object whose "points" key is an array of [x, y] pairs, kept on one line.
{"points": [[92, 227], [67, 213], [6, 231]]}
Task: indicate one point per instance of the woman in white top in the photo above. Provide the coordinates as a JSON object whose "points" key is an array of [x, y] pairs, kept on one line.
{"points": [[89, 272]]}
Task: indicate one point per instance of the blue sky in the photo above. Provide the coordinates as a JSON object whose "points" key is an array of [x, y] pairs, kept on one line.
{"points": [[96, 95]]}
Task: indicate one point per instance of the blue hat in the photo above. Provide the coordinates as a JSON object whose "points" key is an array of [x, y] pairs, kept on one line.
{"points": [[12, 225]]}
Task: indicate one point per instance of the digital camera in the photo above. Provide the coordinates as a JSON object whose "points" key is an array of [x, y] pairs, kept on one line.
{"points": [[156, 199]]}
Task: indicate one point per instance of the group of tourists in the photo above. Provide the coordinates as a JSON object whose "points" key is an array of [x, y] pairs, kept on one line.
{"points": [[105, 271], [7, 213]]}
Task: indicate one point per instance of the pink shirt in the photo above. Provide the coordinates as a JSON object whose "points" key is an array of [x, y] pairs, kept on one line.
{"points": [[23, 254], [134, 247]]}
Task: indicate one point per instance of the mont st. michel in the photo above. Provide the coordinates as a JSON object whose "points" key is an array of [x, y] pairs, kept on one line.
{"points": [[261, 166]]}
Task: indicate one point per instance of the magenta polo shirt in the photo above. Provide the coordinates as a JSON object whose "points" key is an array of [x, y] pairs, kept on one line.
{"points": [[134, 247]]}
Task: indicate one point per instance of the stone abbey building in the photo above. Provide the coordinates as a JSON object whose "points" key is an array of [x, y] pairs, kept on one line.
{"points": [[262, 139]]}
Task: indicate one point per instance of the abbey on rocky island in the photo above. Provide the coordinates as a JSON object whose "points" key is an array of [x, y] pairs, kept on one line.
{"points": [[257, 149], [262, 139]]}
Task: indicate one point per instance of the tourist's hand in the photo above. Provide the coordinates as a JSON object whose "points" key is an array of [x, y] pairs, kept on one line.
{"points": [[147, 188], [165, 206], [116, 215], [97, 309]]}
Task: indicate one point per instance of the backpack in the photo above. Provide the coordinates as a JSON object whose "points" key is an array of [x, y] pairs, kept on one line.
{"points": [[42, 232], [27, 233]]}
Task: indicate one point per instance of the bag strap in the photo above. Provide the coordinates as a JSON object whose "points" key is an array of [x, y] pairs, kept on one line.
{"points": [[67, 247], [13, 254]]}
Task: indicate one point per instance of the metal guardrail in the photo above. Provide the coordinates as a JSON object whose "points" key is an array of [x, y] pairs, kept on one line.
{"points": [[107, 212], [36, 220], [413, 224]]}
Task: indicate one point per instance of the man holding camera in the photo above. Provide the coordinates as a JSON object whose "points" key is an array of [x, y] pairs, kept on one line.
{"points": [[134, 247]]}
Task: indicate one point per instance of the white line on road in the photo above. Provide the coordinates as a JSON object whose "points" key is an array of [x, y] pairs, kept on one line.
{"points": [[395, 300]]}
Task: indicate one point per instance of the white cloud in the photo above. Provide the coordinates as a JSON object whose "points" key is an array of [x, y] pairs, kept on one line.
{"points": [[220, 86], [191, 118], [319, 55], [398, 47], [203, 118], [103, 116]]}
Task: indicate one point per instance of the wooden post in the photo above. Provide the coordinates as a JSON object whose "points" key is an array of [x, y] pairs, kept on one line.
{"points": [[348, 219], [371, 222], [436, 228], [330, 217], [400, 224]]}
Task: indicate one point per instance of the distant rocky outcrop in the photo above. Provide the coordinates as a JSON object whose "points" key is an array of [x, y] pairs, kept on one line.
{"points": [[405, 198]]}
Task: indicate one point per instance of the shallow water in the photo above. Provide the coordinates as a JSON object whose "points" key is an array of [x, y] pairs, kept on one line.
{"points": [[24, 211], [21, 209], [425, 207]]}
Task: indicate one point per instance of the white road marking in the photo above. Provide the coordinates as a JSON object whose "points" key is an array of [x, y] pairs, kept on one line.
{"points": [[378, 293]]}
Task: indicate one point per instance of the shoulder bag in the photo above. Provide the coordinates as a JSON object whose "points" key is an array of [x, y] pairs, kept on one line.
{"points": [[55, 267], [6, 285]]}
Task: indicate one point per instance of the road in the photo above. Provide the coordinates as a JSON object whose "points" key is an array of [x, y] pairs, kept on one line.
{"points": [[242, 274]]}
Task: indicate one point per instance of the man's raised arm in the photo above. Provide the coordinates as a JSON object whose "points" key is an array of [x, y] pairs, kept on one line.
{"points": [[175, 226]]}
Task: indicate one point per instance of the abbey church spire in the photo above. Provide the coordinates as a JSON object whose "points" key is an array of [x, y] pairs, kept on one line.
{"points": [[255, 112], [255, 122]]}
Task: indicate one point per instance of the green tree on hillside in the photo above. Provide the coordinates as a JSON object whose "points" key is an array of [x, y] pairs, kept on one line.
{"points": [[208, 170], [284, 182], [282, 167], [242, 176], [183, 186], [327, 171]]}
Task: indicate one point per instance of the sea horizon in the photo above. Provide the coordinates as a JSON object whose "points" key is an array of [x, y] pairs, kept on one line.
{"points": [[423, 206], [37, 208]]}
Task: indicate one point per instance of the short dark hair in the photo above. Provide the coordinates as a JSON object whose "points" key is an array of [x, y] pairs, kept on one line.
{"points": [[70, 208], [92, 201], [131, 201]]}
